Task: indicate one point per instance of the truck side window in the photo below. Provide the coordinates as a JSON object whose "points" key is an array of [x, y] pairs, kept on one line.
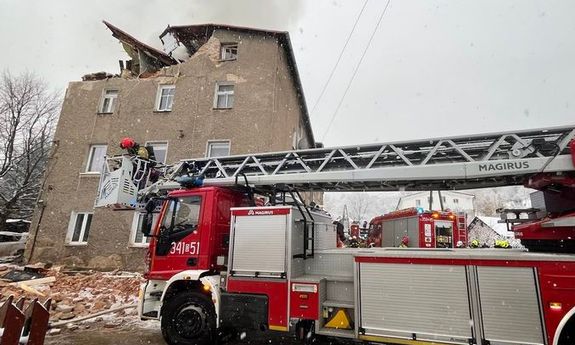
{"points": [[186, 215]]}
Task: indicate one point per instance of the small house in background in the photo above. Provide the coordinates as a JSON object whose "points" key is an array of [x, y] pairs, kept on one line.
{"points": [[488, 229], [455, 201]]}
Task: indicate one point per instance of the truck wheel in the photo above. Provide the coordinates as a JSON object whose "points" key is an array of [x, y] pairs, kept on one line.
{"points": [[189, 319]]}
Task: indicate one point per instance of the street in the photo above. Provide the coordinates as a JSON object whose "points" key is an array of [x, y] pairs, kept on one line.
{"points": [[147, 333]]}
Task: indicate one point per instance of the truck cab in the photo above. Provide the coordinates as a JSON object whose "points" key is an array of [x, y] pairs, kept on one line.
{"points": [[193, 231]]}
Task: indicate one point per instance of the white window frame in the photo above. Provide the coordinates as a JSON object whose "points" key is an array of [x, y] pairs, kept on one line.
{"points": [[114, 99], [72, 225], [223, 48], [211, 142], [159, 97], [134, 230], [161, 142], [418, 202], [224, 93], [91, 155]]}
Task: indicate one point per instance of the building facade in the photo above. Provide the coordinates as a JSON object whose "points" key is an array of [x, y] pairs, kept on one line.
{"points": [[455, 201], [214, 90]]}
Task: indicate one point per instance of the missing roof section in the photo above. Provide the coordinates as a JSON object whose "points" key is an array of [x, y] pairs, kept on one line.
{"points": [[145, 59]]}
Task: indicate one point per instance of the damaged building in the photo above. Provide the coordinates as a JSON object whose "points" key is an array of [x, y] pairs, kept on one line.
{"points": [[212, 90]]}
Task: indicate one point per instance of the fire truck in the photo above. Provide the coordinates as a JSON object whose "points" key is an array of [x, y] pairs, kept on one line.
{"points": [[415, 227], [219, 263]]}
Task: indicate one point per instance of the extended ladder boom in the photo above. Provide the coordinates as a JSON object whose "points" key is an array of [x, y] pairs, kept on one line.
{"points": [[487, 160]]}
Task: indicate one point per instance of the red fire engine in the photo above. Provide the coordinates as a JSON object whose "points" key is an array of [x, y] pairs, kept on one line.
{"points": [[219, 263], [417, 228]]}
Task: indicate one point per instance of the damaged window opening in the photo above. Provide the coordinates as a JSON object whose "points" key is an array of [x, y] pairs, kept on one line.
{"points": [[224, 96], [108, 103], [79, 227], [229, 51], [165, 97]]}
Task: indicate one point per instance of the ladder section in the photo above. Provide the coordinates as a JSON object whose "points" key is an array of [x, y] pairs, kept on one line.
{"points": [[433, 164], [462, 227]]}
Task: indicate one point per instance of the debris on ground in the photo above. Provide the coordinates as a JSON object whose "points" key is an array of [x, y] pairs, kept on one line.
{"points": [[74, 294]]}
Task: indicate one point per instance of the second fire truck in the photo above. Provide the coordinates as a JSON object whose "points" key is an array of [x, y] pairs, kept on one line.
{"points": [[417, 228]]}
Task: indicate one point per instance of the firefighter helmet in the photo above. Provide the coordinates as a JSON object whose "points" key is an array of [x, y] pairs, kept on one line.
{"points": [[404, 241], [127, 143], [501, 244], [474, 243]]}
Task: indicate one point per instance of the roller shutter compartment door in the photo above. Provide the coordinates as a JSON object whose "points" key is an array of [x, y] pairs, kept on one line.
{"points": [[259, 245], [510, 305], [428, 301]]}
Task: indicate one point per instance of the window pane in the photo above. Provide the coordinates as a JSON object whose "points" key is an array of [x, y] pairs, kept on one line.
{"points": [[160, 151], [226, 88], [97, 154], [108, 102], [166, 97], [87, 228], [221, 101], [163, 103], [218, 149], [78, 227], [230, 101], [106, 105], [139, 235], [187, 213]]}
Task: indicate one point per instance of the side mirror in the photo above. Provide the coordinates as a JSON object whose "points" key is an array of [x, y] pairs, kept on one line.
{"points": [[147, 224], [148, 219]]}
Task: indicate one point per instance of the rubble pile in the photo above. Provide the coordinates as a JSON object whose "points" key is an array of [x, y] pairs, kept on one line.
{"points": [[74, 294]]}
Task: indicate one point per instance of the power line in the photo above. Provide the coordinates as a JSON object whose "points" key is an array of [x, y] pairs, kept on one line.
{"points": [[356, 69], [339, 57]]}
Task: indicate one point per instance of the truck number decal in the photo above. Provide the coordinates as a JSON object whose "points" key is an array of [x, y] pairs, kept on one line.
{"points": [[183, 248]]}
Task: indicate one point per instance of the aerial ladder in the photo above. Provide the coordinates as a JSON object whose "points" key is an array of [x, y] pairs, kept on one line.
{"points": [[543, 159]]}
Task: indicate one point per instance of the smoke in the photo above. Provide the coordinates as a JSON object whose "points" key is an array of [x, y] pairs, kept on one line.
{"points": [[282, 15]]}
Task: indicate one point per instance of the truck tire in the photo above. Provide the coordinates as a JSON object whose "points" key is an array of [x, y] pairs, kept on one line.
{"points": [[189, 318]]}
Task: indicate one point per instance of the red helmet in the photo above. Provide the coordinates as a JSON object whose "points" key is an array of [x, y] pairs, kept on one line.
{"points": [[405, 240], [127, 143]]}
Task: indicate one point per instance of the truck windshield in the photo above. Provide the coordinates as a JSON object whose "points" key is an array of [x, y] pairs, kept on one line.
{"points": [[183, 214]]}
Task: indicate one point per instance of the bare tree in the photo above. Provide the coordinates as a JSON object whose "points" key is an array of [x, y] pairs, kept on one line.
{"points": [[358, 205], [28, 112]]}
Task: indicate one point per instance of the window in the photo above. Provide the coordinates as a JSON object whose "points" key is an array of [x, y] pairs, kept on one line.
{"points": [[229, 51], [160, 150], [417, 202], [96, 158], [79, 228], [224, 96], [137, 237], [444, 199], [456, 201], [108, 103], [165, 97], [218, 149], [187, 214]]}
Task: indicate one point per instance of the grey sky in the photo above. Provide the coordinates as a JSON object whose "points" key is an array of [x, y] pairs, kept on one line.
{"points": [[434, 68]]}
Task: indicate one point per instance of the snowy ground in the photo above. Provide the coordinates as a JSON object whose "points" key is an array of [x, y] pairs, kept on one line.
{"points": [[134, 332]]}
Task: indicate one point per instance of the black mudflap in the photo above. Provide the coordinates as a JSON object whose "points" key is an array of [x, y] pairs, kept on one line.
{"points": [[244, 312]]}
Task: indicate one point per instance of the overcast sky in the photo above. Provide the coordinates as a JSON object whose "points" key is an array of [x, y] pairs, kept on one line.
{"points": [[434, 68]]}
